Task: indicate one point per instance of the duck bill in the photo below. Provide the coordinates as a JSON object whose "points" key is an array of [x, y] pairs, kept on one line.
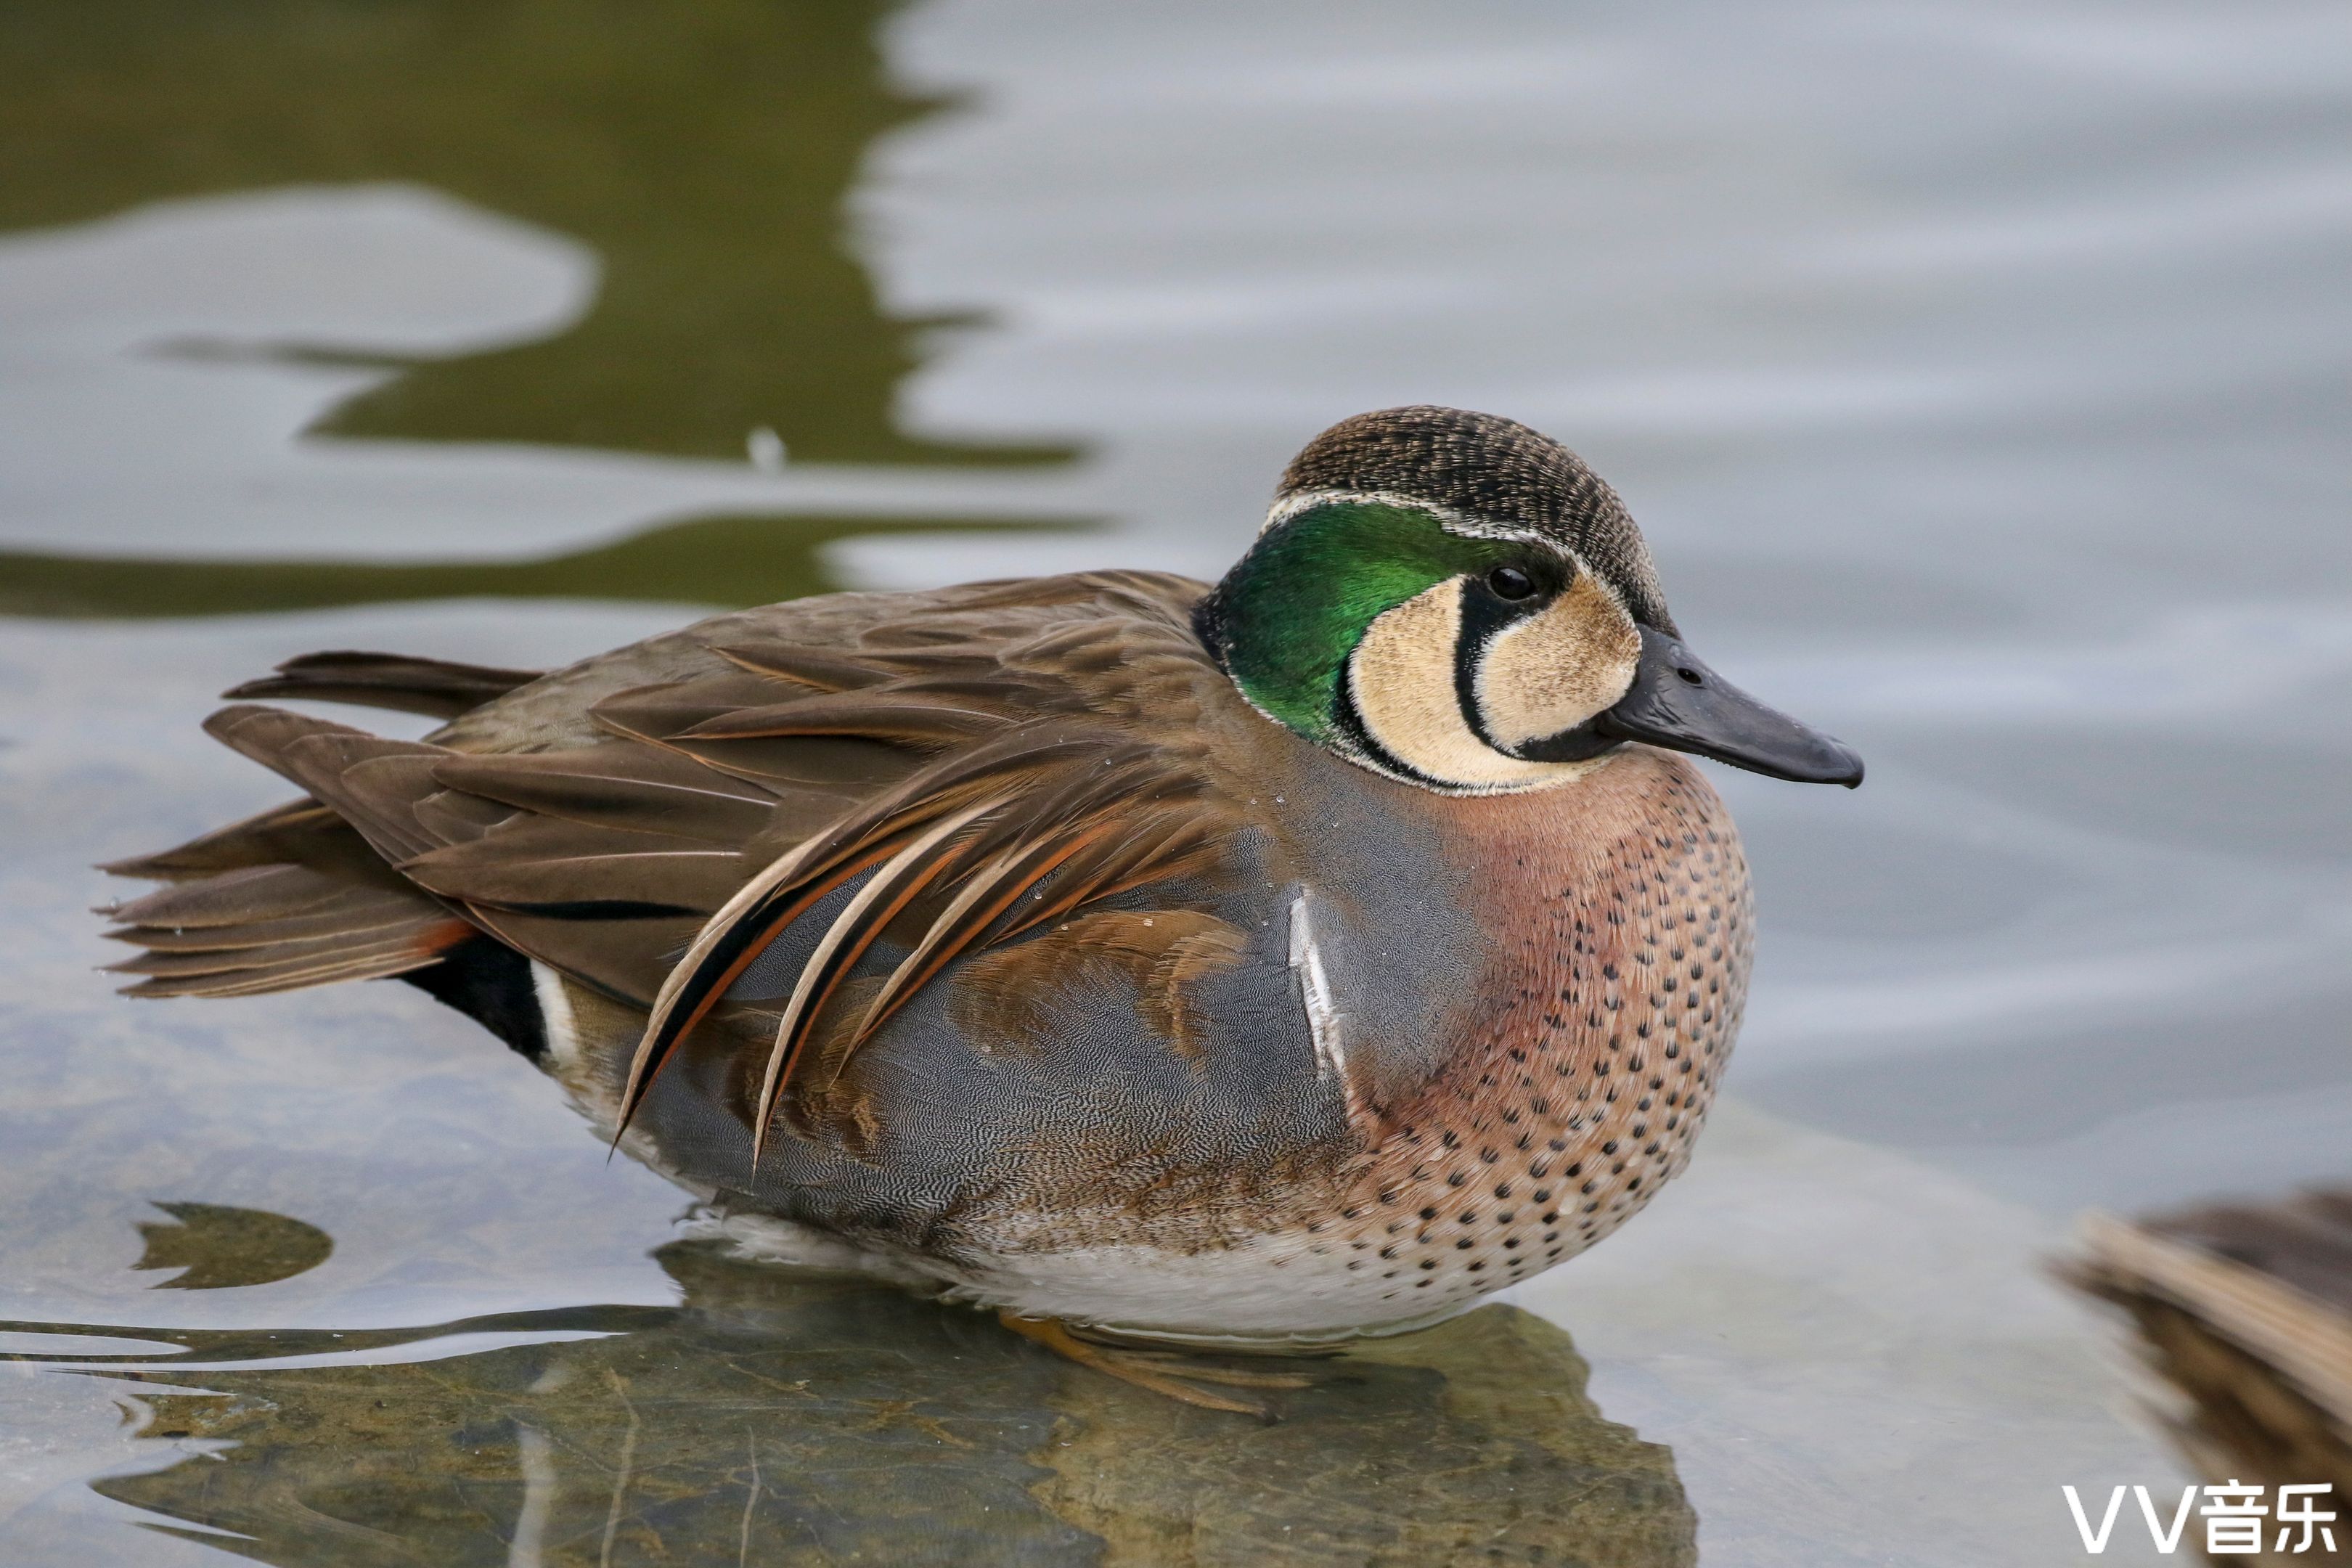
{"points": [[1678, 702]]}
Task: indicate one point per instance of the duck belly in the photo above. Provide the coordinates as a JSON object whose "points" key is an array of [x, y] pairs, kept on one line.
{"points": [[1268, 1290], [1299, 1287]]}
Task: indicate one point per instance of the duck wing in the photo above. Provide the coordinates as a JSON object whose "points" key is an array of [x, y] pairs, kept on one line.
{"points": [[793, 791]]}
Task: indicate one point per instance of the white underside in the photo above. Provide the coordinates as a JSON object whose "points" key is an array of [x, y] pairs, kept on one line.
{"points": [[1259, 1292], [1262, 1291], [1288, 1289]]}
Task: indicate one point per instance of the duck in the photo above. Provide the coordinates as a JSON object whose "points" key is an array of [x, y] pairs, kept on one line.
{"points": [[1170, 967]]}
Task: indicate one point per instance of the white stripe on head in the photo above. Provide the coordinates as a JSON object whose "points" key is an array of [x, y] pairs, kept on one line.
{"points": [[1454, 522]]}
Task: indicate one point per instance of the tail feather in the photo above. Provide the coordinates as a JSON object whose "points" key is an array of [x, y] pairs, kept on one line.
{"points": [[291, 898], [300, 833], [245, 896], [343, 914], [325, 759], [308, 893], [433, 686], [277, 928]]}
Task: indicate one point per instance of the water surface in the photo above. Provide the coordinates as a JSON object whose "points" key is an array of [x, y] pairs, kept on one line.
{"points": [[1976, 372]]}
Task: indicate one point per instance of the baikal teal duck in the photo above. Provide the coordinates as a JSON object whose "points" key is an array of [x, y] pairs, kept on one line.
{"points": [[1164, 967]]}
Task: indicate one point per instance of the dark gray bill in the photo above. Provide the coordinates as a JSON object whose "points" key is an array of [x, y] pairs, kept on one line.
{"points": [[1676, 701]]}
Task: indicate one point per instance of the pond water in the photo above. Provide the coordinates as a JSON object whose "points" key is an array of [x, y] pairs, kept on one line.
{"points": [[1977, 371]]}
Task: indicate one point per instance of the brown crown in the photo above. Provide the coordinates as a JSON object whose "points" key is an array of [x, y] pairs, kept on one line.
{"points": [[1484, 466]]}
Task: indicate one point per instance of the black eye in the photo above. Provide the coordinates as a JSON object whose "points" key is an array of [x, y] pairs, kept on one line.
{"points": [[1510, 583]]}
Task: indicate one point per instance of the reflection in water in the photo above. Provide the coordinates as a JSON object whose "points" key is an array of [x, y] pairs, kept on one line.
{"points": [[722, 560], [784, 1418], [1971, 355], [220, 1246], [703, 147]]}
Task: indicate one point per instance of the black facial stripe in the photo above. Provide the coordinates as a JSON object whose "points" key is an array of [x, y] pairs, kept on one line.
{"points": [[1484, 617], [1350, 722]]}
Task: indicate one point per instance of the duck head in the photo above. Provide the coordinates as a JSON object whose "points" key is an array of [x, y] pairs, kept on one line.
{"points": [[1455, 601]]}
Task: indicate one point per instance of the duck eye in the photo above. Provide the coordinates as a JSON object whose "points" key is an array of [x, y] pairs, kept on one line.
{"points": [[1510, 583]]}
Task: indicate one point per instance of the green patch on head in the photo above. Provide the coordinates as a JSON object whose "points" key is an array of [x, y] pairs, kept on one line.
{"points": [[1292, 610]]}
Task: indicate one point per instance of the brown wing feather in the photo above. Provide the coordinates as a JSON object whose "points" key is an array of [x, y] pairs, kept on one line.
{"points": [[656, 713], [986, 894], [537, 861], [988, 758], [821, 669], [1095, 808], [453, 816], [903, 879], [1048, 769], [319, 756], [430, 686], [902, 719], [626, 787]]}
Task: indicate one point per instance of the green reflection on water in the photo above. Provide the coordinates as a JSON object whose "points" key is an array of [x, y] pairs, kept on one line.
{"points": [[704, 148], [721, 561], [781, 1418]]}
